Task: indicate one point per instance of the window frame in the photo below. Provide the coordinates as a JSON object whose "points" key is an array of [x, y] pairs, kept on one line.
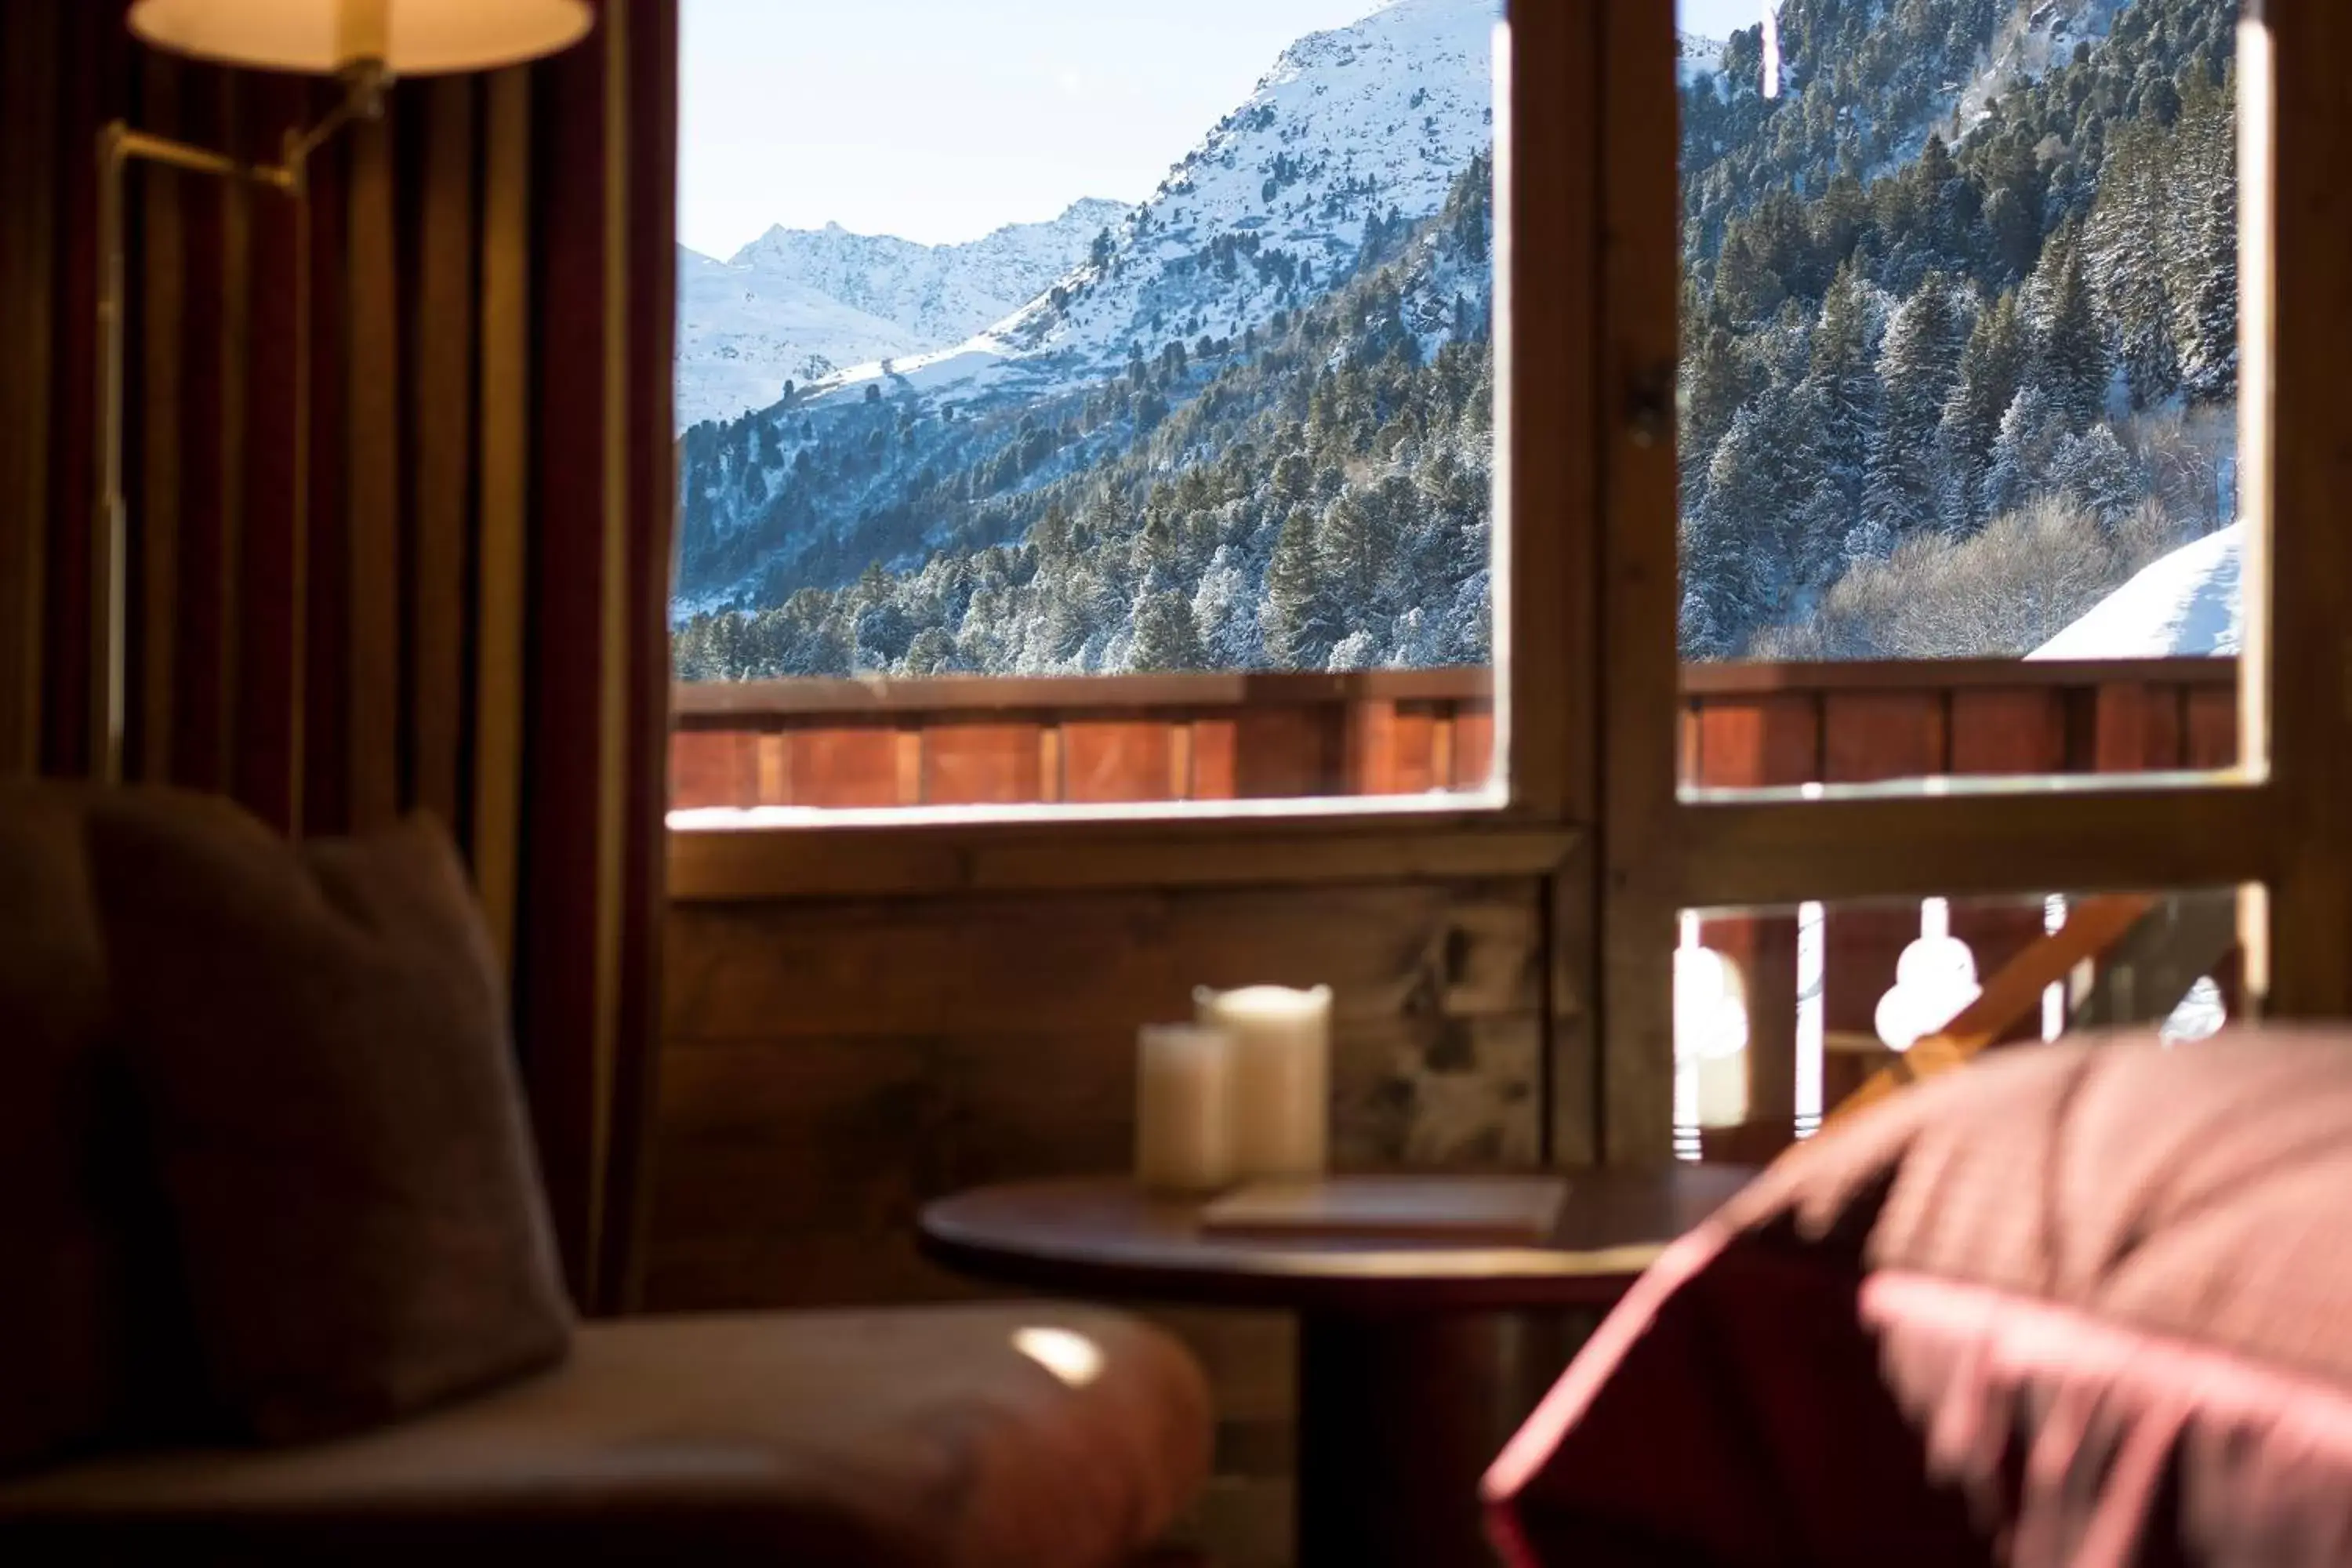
{"points": [[1588, 240], [1546, 465], [2284, 825]]}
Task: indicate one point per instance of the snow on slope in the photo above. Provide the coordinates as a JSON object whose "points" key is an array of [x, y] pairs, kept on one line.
{"points": [[800, 304], [1696, 57], [742, 333], [2039, 35], [2188, 604], [1357, 124]]}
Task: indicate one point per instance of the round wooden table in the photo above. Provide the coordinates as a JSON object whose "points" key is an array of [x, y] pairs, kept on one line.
{"points": [[1416, 1359]]}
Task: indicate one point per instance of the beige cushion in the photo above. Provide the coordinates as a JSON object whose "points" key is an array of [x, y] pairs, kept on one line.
{"points": [[318, 1039], [843, 1439]]}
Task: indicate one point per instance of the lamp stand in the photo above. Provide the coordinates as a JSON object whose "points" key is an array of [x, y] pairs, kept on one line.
{"points": [[119, 146]]}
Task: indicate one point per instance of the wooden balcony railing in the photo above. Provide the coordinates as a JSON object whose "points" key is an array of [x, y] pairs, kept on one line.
{"points": [[986, 741], [831, 744], [1087, 741]]}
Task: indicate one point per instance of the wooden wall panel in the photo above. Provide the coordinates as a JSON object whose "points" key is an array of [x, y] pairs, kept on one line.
{"points": [[715, 768], [1285, 753], [2139, 728], [831, 1067], [981, 764], [844, 768], [1114, 761], [1756, 742]]}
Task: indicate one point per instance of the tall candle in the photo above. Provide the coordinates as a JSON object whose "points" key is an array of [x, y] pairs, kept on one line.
{"points": [[1184, 1109], [1282, 1076]]}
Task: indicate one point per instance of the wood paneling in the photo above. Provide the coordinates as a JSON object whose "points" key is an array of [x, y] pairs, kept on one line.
{"points": [[832, 1065], [981, 765]]}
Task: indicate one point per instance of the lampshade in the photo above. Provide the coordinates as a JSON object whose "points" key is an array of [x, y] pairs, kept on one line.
{"points": [[408, 37]]}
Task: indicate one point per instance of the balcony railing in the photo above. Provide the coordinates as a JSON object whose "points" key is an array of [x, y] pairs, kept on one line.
{"points": [[1140, 739]]}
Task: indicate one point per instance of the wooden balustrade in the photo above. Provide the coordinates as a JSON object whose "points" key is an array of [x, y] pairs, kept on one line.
{"points": [[966, 740], [820, 744], [1089, 741]]}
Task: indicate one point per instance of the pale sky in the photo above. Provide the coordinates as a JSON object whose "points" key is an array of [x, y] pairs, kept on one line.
{"points": [[940, 120]]}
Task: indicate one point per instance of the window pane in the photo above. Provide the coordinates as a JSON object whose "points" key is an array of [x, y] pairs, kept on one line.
{"points": [[1959, 381], [1118, 379], [1782, 1014]]}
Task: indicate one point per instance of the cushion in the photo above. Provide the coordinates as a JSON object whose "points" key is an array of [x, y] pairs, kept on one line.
{"points": [[318, 1040], [883, 1439], [2090, 1302]]}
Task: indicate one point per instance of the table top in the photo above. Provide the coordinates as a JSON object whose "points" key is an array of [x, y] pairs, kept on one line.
{"points": [[1104, 1237]]}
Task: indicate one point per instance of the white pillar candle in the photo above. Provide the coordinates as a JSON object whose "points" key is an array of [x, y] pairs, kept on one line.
{"points": [[1282, 1077], [1183, 1109]]}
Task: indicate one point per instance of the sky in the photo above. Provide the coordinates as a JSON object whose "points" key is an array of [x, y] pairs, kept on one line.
{"points": [[938, 121]]}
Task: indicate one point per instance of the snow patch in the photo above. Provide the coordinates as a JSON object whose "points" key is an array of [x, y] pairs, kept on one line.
{"points": [[2192, 604]]}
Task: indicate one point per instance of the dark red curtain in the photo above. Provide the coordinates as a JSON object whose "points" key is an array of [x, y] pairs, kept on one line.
{"points": [[399, 479]]}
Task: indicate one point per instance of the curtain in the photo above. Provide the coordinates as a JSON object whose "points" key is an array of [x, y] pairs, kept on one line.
{"points": [[399, 474]]}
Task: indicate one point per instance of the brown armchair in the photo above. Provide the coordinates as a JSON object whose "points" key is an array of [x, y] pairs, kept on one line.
{"points": [[1029, 1434]]}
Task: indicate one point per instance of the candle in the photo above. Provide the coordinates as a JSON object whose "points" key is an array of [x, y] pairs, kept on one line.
{"points": [[1282, 1076], [1183, 1109]]}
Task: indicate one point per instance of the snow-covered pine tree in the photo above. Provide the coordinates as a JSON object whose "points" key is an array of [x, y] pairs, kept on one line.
{"points": [[2209, 333], [1918, 366], [1163, 637], [2070, 359], [1841, 385], [1298, 616], [2126, 257], [2019, 466]]}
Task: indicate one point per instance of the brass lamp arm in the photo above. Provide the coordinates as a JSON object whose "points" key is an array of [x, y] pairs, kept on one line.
{"points": [[119, 145]]}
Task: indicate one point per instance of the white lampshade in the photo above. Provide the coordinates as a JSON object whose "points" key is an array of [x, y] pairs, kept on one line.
{"points": [[407, 38]]}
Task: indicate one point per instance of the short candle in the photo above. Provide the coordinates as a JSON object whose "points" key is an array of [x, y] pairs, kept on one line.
{"points": [[1282, 1076], [1183, 1109]]}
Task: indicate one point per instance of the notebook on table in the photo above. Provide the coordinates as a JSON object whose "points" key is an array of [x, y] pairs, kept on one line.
{"points": [[1489, 1210]]}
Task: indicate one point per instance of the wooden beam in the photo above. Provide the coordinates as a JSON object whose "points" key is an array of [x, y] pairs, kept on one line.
{"points": [[1867, 845], [792, 865], [1638, 332], [2296, 278]]}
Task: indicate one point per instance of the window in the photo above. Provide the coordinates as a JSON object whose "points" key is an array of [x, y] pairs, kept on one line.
{"points": [[1645, 776], [1131, 441], [1959, 349]]}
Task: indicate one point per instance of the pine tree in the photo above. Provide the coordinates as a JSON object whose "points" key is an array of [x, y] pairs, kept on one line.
{"points": [[2095, 474], [1298, 616], [2070, 362], [1919, 366], [1992, 367], [2126, 246], [1165, 639], [1841, 383], [2210, 330], [2018, 471]]}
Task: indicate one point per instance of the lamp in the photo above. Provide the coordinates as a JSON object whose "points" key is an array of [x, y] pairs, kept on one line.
{"points": [[363, 44]]}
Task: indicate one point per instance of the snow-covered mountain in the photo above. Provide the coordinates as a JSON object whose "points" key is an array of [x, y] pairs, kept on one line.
{"points": [[1351, 143], [2190, 604], [800, 304], [1355, 133]]}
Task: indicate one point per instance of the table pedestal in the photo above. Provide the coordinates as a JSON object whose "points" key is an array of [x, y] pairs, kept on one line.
{"points": [[1400, 1415]]}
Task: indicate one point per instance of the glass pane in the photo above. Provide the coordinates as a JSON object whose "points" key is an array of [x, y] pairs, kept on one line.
{"points": [[1782, 1014], [1084, 404], [1959, 384]]}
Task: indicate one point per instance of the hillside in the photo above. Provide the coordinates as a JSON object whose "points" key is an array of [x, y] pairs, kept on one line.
{"points": [[799, 305], [1959, 312], [1352, 139]]}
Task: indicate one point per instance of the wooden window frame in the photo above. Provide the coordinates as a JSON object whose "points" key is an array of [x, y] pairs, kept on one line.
{"points": [[2285, 824], [1546, 253], [1587, 233]]}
